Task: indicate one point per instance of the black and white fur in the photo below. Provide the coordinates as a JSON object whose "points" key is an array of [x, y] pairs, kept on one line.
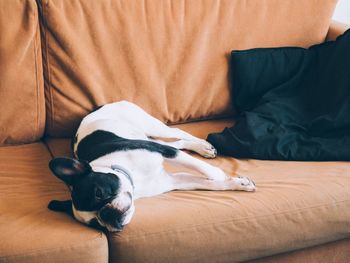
{"points": [[119, 155]]}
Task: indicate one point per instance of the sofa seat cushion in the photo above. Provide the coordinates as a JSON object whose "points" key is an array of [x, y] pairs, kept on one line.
{"points": [[337, 251], [297, 205], [29, 231]]}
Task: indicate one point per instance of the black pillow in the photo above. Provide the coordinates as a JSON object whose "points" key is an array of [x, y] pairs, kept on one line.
{"points": [[292, 103]]}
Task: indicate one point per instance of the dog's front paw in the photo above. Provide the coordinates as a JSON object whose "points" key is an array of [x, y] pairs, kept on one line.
{"points": [[243, 183], [205, 149]]}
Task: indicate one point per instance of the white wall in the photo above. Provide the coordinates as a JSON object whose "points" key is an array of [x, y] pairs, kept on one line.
{"points": [[342, 11]]}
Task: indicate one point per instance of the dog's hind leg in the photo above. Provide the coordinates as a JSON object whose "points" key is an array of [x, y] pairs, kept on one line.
{"points": [[186, 160], [137, 117], [183, 140], [204, 149], [184, 181], [155, 130], [163, 131]]}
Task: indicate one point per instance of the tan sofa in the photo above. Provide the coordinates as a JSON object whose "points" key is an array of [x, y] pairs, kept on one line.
{"points": [[60, 59]]}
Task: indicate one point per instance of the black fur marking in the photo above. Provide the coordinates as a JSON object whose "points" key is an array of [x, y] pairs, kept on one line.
{"points": [[73, 141], [84, 191], [61, 206], [112, 217], [75, 138], [100, 143]]}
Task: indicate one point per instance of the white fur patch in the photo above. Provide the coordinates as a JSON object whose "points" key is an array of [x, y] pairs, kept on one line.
{"points": [[83, 216]]}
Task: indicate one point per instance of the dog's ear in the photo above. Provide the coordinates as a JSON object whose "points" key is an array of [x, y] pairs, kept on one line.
{"points": [[61, 206], [68, 169]]}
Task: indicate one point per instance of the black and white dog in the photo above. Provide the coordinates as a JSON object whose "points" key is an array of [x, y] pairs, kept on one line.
{"points": [[119, 158]]}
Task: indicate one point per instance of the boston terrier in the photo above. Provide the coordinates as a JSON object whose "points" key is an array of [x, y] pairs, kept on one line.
{"points": [[119, 152]]}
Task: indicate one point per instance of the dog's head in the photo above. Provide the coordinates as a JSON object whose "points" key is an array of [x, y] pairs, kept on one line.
{"points": [[101, 197]]}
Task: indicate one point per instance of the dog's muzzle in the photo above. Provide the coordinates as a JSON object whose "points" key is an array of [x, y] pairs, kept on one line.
{"points": [[114, 214]]}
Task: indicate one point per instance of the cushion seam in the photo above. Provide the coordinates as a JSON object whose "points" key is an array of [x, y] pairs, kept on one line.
{"points": [[51, 125], [43, 4], [38, 117], [48, 148]]}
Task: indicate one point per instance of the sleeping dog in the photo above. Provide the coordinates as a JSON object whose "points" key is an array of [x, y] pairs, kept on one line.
{"points": [[119, 158]]}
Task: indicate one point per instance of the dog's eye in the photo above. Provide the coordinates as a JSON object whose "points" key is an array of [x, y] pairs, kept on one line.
{"points": [[98, 193]]}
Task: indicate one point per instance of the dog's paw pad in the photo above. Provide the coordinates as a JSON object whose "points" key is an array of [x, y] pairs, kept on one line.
{"points": [[244, 184], [205, 149]]}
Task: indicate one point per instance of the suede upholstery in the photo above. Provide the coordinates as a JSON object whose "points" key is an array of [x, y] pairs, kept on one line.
{"points": [[337, 251], [22, 112], [335, 30], [304, 204], [170, 57], [29, 231]]}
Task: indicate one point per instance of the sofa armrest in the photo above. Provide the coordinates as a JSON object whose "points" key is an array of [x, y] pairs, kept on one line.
{"points": [[335, 29]]}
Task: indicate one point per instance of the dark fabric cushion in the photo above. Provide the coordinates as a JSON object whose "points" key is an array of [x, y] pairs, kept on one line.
{"points": [[293, 103]]}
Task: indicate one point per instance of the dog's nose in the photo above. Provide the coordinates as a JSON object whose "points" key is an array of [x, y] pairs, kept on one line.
{"points": [[112, 216]]}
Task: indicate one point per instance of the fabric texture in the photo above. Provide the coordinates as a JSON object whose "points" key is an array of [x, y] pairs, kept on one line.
{"points": [[297, 205], [293, 103], [169, 57], [22, 103], [336, 29], [30, 232], [337, 252]]}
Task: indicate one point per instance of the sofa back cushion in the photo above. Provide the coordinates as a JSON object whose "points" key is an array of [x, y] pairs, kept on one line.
{"points": [[169, 57], [22, 103]]}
